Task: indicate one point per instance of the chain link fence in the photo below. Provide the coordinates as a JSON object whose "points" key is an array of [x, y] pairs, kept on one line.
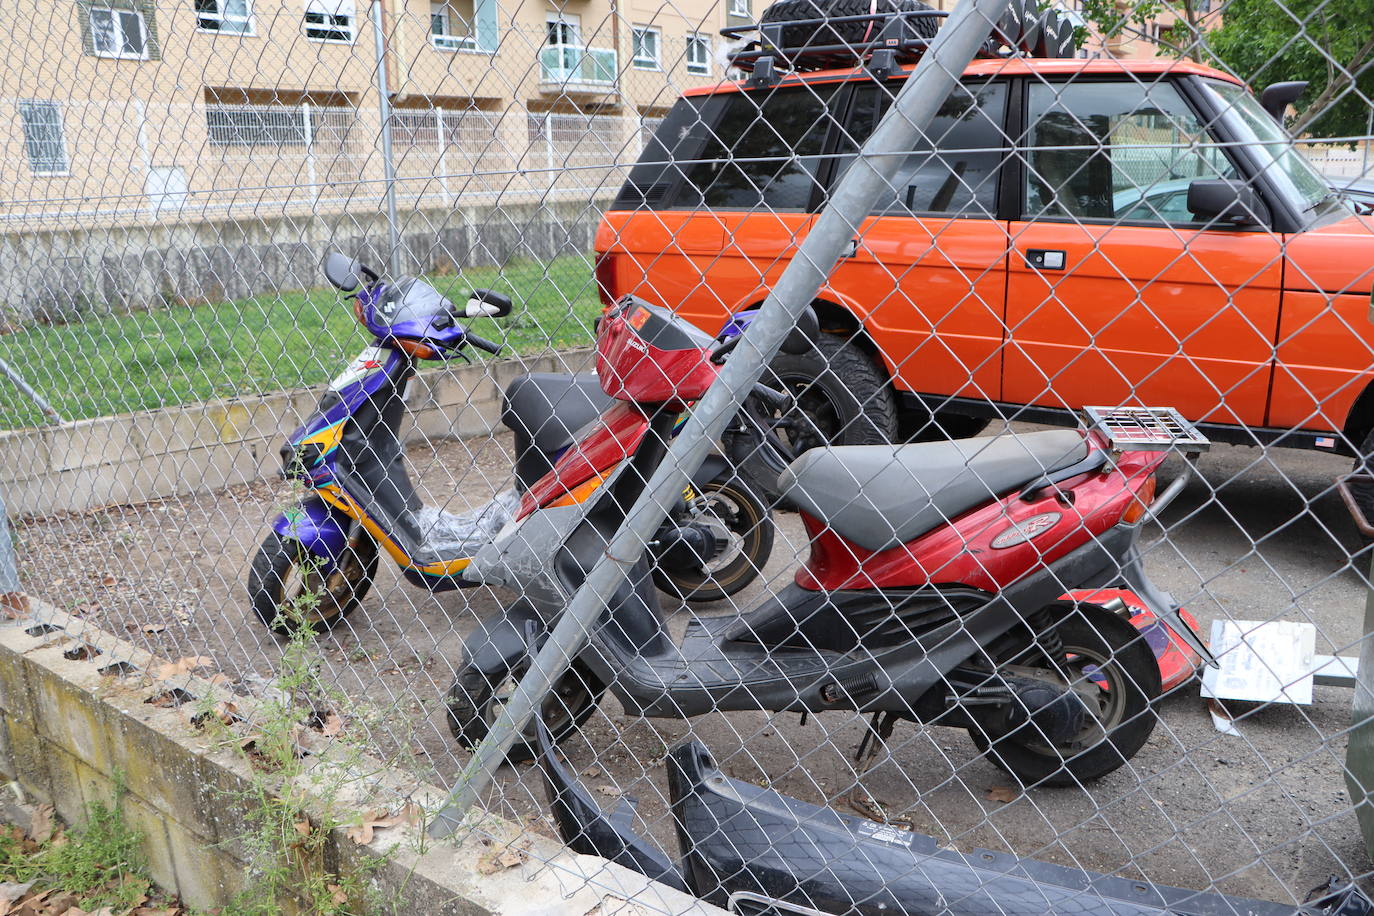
{"points": [[929, 629]]}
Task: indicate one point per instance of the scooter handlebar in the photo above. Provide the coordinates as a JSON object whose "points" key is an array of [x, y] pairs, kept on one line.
{"points": [[482, 343]]}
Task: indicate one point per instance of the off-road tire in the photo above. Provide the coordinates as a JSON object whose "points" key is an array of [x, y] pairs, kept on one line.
{"points": [[1362, 490], [275, 569], [472, 712], [755, 526], [1130, 667], [814, 35], [843, 396]]}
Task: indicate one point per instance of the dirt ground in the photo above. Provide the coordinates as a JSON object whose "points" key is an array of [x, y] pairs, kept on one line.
{"points": [[1265, 814]]}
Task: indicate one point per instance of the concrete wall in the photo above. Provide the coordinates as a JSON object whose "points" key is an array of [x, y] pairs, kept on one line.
{"points": [[65, 275], [137, 457], [73, 725]]}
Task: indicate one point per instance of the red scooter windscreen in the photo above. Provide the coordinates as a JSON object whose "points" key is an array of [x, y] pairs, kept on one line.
{"points": [[647, 354]]}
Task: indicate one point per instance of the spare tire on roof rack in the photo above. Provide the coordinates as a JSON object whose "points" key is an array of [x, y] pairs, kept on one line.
{"points": [[824, 34]]}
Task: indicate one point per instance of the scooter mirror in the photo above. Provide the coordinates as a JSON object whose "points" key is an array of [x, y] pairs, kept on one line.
{"points": [[802, 338], [343, 272], [486, 303]]}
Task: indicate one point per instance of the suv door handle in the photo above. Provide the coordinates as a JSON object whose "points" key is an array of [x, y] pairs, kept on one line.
{"points": [[851, 249], [1046, 258]]}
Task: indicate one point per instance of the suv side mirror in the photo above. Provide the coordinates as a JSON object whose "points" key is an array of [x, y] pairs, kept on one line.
{"points": [[1234, 202], [1276, 98], [486, 303], [802, 338], [345, 273]]}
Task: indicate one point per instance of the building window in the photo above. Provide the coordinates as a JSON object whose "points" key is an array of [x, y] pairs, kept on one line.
{"points": [[254, 125], [43, 140], [645, 45], [699, 54], [234, 17], [740, 8], [330, 20], [449, 31], [118, 33]]}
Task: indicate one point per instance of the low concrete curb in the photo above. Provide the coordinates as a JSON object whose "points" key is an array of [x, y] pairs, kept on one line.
{"points": [[75, 721], [133, 458]]}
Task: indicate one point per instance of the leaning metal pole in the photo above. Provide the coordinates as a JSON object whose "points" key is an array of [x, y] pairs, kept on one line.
{"points": [[393, 232], [911, 113], [29, 392]]}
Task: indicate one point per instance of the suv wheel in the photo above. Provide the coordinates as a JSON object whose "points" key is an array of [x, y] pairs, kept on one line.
{"points": [[842, 396]]}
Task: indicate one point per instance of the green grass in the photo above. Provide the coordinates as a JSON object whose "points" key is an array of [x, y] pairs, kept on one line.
{"points": [[181, 354], [99, 864]]}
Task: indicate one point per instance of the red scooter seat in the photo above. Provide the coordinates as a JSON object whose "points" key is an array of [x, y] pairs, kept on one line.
{"points": [[879, 496]]}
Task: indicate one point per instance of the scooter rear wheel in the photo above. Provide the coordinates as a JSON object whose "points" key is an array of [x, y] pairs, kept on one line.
{"points": [[751, 534], [474, 702], [287, 594], [1111, 668]]}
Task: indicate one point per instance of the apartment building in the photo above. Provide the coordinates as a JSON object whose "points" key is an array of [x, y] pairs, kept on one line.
{"points": [[123, 111]]}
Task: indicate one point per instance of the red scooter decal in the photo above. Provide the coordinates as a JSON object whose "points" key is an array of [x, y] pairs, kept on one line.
{"points": [[1021, 532]]}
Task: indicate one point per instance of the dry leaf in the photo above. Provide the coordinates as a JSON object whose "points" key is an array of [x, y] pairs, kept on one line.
{"points": [[1002, 794], [182, 666], [302, 827], [611, 791], [152, 629], [377, 819], [40, 824], [333, 724], [592, 773], [226, 712], [108, 580], [492, 862], [336, 894]]}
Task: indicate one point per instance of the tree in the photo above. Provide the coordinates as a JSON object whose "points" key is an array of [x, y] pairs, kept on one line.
{"points": [[1329, 43]]}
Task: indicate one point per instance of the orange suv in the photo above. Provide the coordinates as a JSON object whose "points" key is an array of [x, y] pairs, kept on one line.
{"points": [[1071, 232]]}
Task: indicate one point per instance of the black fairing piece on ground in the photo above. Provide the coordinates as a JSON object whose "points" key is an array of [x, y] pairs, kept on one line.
{"points": [[764, 854], [587, 830]]}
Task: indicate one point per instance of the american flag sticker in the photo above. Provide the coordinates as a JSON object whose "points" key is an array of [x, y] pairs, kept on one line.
{"points": [[1325, 442]]}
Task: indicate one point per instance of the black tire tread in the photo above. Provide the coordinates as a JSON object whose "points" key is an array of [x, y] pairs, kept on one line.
{"points": [[1134, 654], [850, 375]]}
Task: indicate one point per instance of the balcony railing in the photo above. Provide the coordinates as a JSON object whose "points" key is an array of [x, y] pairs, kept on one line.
{"points": [[577, 66]]}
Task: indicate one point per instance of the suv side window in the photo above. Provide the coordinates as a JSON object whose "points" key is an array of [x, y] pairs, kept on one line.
{"points": [[954, 168], [761, 149], [1116, 151]]}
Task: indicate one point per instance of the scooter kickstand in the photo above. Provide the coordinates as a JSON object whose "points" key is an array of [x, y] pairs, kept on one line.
{"points": [[879, 730], [860, 799]]}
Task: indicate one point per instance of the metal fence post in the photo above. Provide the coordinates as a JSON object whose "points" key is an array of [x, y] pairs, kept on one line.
{"points": [[853, 199], [308, 129], [1359, 753], [388, 166]]}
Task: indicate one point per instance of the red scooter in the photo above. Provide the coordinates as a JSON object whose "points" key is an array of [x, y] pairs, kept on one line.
{"points": [[934, 590]]}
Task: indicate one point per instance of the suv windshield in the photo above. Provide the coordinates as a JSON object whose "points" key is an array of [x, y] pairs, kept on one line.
{"points": [[1266, 139]]}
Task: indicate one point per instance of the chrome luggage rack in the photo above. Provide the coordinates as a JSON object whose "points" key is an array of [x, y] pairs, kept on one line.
{"points": [[1146, 429]]}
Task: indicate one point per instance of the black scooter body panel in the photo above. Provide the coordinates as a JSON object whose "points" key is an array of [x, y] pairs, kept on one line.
{"points": [[653, 677], [740, 838]]}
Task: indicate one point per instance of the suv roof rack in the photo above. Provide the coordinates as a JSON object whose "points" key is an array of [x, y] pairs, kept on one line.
{"points": [[1022, 32]]}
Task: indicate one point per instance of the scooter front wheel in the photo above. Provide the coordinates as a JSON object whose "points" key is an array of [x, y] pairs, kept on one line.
{"points": [[288, 592], [1107, 663], [749, 533], [474, 702]]}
